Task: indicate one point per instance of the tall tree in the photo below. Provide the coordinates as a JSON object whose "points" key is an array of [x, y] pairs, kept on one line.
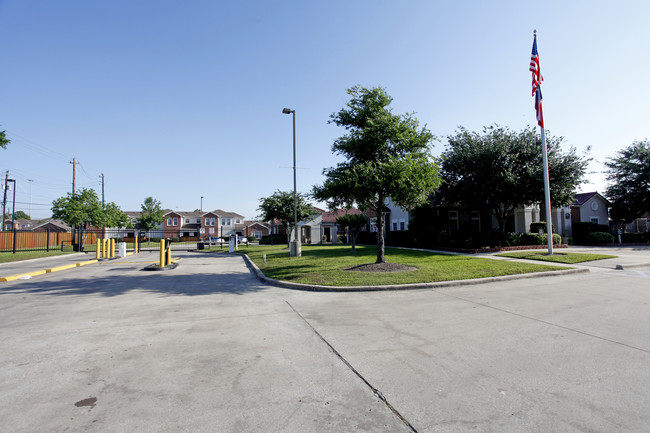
{"points": [[502, 169], [80, 209], [151, 214], [20, 215], [279, 206], [386, 156], [354, 223], [84, 208], [4, 140], [628, 176]]}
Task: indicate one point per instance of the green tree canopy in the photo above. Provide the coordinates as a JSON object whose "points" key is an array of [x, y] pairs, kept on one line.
{"points": [[386, 156], [501, 169], [20, 215], [84, 208], [4, 140], [279, 206], [628, 176], [151, 214], [354, 223]]}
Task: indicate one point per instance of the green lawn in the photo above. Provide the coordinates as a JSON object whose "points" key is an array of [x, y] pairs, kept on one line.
{"points": [[6, 257], [324, 265], [569, 258]]}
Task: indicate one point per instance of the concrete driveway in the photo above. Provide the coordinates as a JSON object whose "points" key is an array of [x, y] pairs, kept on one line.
{"points": [[208, 348]]}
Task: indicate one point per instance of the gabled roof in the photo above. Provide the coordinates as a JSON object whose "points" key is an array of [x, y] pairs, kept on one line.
{"points": [[249, 223], [57, 223], [584, 197], [223, 214], [331, 216]]}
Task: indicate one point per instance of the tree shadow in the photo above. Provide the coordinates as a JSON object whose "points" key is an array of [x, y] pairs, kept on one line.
{"points": [[120, 280]]}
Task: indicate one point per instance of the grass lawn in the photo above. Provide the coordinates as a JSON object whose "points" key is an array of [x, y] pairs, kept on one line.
{"points": [[568, 258], [324, 265], [26, 255]]}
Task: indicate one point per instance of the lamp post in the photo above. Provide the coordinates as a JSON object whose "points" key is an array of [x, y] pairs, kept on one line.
{"points": [[201, 204], [13, 214], [295, 249]]}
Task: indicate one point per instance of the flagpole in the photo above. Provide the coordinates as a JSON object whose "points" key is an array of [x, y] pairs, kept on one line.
{"points": [[547, 194]]}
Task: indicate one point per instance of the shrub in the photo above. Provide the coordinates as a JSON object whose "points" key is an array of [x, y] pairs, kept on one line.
{"points": [[557, 239], [583, 228], [273, 239], [532, 239], [537, 227], [635, 238], [599, 238]]}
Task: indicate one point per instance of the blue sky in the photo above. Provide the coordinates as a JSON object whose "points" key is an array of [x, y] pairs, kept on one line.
{"points": [[179, 100]]}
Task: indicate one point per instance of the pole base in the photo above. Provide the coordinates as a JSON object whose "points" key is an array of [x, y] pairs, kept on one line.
{"points": [[295, 249]]}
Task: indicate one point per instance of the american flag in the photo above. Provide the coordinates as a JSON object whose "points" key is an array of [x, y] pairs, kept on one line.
{"points": [[538, 107], [534, 66]]}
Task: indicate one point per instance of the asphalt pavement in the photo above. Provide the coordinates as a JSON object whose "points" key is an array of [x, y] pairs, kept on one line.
{"points": [[207, 347]]}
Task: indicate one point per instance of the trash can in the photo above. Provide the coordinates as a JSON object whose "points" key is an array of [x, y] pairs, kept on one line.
{"points": [[200, 245], [121, 249]]}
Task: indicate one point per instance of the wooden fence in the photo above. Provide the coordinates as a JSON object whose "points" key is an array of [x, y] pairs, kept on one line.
{"points": [[35, 241]]}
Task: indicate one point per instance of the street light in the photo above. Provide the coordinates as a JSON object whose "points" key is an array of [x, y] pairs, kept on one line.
{"points": [[294, 250], [201, 203]]}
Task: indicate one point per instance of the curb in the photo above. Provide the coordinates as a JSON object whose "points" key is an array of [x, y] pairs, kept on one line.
{"points": [[455, 283]]}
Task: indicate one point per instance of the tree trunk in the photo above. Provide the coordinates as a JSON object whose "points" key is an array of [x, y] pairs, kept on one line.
{"points": [[381, 257]]}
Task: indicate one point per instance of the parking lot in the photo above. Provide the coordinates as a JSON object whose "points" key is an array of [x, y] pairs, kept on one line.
{"points": [[206, 347]]}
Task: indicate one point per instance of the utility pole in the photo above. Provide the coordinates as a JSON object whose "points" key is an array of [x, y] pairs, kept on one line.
{"points": [[31, 181], [74, 174], [102, 189], [4, 200]]}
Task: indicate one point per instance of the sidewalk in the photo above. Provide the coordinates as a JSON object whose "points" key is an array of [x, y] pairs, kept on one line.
{"points": [[34, 267]]}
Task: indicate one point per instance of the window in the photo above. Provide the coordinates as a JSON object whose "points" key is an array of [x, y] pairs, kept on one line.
{"points": [[175, 221], [476, 221], [257, 234], [373, 225], [187, 220], [238, 221], [402, 225], [212, 222], [226, 221], [394, 225], [169, 222], [134, 220], [453, 220], [198, 220], [594, 219]]}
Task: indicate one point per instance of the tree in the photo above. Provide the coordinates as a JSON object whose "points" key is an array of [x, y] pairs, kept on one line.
{"points": [[151, 214], [113, 216], [80, 209], [387, 156], [502, 169], [354, 224], [628, 175], [279, 206], [20, 215], [4, 140], [84, 208]]}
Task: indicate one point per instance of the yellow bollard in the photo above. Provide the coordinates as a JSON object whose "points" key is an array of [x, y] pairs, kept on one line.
{"points": [[162, 253], [104, 249], [98, 251], [169, 255], [112, 250], [135, 245]]}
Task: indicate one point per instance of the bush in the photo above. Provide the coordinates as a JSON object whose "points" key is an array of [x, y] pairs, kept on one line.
{"points": [[532, 239], [635, 238], [583, 228], [599, 238], [557, 239], [273, 239], [537, 227]]}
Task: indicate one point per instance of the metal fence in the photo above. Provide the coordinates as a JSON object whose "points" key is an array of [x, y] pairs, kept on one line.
{"points": [[86, 240]]}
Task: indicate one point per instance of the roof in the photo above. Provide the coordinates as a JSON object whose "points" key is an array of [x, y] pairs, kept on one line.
{"points": [[331, 216], [57, 223], [224, 214], [584, 197]]}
